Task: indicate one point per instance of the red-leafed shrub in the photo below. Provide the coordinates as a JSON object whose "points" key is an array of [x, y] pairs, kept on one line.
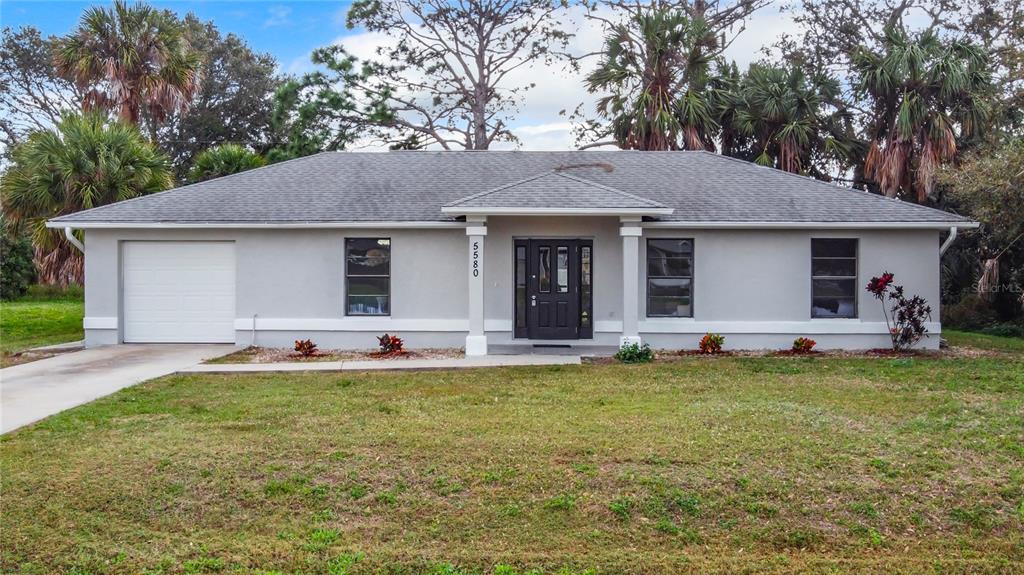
{"points": [[905, 317], [711, 343], [390, 344], [306, 347], [803, 345], [878, 285]]}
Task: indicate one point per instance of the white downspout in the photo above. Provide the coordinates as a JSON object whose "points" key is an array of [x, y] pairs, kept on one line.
{"points": [[74, 241], [949, 240]]}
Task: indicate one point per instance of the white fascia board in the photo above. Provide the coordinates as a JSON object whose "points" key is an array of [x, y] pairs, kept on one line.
{"points": [[558, 211], [253, 225], [811, 225]]}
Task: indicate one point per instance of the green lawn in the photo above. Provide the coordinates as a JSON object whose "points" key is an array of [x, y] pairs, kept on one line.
{"points": [[41, 318], [980, 340], [816, 465]]}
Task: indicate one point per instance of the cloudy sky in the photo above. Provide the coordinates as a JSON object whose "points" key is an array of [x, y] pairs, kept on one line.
{"points": [[291, 30]]}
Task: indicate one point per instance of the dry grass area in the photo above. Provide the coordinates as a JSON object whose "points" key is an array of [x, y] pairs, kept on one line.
{"points": [[735, 464], [279, 355]]}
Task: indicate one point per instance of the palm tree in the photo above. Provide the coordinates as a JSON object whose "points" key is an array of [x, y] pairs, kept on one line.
{"points": [[223, 161], [133, 60], [655, 66], [83, 162], [792, 121], [929, 98]]}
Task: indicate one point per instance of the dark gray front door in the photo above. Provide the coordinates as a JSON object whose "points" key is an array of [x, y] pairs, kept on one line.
{"points": [[553, 289]]}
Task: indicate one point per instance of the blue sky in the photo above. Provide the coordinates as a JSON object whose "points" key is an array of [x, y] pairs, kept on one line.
{"points": [[290, 30]]}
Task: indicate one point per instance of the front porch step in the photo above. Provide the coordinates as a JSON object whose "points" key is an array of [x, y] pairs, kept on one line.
{"points": [[583, 350]]}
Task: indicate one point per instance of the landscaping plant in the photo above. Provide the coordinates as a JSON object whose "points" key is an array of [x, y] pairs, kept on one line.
{"points": [[306, 347], [905, 317], [711, 343], [803, 345], [16, 270], [390, 344], [635, 353]]}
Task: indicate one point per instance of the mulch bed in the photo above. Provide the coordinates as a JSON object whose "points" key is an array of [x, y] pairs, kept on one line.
{"points": [[666, 355], [284, 355]]}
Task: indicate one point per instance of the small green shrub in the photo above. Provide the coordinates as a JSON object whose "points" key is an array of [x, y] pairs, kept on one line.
{"points": [[635, 353], [1004, 330], [16, 270], [971, 313]]}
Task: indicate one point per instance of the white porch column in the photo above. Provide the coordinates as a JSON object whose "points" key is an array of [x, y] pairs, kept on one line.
{"points": [[476, 341], [630, 232]]}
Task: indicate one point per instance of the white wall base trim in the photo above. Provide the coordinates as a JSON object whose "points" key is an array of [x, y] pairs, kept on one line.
{"points": [[99, 322], [809, 327]]}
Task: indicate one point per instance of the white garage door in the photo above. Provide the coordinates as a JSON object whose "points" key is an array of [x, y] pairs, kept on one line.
{"points": [[180, 292]]}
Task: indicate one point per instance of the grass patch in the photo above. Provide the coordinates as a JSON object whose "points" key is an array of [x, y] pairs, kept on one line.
{"points": [[563, 502], [984, 341], [725, 465], [42, 317]]}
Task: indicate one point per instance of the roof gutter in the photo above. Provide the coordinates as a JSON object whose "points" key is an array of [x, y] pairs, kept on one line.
{"points": [[809, 225], [461, 225], [70, 235], [253, 225], [949, 241]]}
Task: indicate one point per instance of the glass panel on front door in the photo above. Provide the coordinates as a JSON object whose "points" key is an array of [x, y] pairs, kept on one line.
{"points": [[563, 269], [544, 268]]}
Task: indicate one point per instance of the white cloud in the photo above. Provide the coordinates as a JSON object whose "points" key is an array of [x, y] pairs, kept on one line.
{"points": [[763, 29], [277, 16]]}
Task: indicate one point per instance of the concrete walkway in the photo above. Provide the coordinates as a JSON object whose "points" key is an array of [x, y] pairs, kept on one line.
{"points": [[31, 391], [387, 364]]}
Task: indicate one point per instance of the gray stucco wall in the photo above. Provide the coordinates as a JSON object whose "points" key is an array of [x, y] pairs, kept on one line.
{"points": [[752, 286]]}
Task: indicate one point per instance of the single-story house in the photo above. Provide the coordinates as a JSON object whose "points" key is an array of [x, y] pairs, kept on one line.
{"points": [[453, 249]]}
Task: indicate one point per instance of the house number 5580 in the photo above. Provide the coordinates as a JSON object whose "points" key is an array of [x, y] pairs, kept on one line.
{"points": [[476, 259]]}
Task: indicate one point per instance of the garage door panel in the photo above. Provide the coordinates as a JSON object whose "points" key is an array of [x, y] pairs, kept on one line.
{"points": [[179, 291]]}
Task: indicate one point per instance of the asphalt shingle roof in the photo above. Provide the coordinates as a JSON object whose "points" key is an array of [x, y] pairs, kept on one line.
{"points": [[415, 185], [554, 190]]}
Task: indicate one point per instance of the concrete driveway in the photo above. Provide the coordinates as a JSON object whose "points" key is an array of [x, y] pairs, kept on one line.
{"points": [[31, 391]]}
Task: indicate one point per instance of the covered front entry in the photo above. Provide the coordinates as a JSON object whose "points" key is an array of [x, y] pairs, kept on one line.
{"points": [[554, 288], [553, 277]]}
